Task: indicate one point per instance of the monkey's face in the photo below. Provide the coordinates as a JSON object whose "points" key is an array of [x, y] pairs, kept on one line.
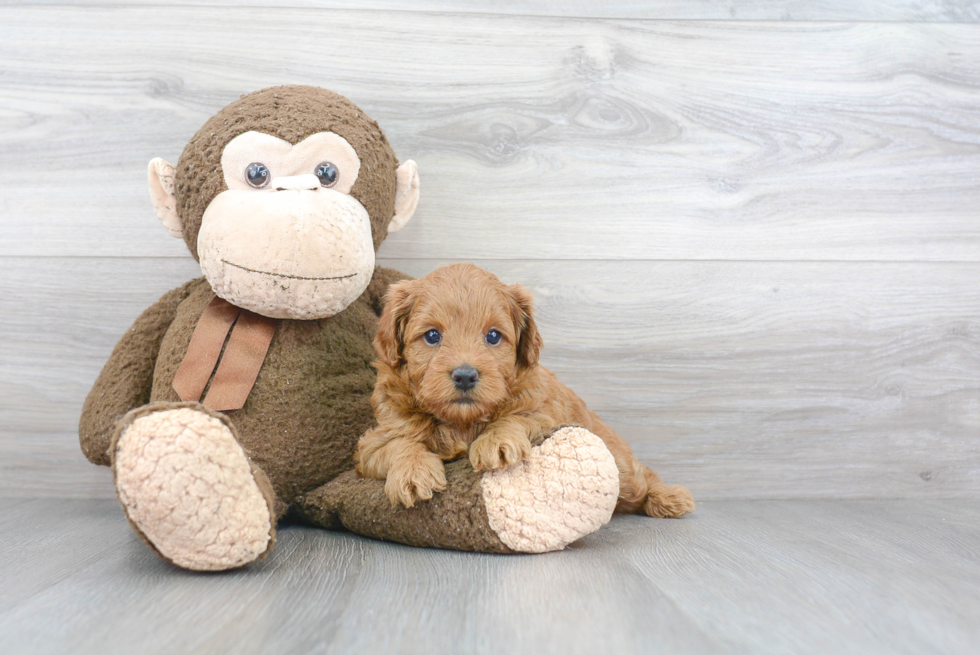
{"points": [[284, 196], [286, 239]]}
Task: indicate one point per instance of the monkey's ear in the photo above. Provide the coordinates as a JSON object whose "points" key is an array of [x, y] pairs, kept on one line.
{"points": [[529, 341], [389, 341], [160, 175], [406, 195]]}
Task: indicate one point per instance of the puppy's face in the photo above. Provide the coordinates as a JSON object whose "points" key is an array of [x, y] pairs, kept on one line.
{"points": [[460, 338]]}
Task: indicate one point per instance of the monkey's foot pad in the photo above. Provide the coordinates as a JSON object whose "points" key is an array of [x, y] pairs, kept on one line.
{"points": [[567, 488], [188, 488]]}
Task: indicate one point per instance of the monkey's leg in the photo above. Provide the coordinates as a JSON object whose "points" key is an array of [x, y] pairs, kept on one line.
{"points": [[189, 490], [566, 489]]}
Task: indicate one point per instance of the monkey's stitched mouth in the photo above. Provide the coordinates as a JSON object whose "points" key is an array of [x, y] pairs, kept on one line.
{"points": [[291, 277]]}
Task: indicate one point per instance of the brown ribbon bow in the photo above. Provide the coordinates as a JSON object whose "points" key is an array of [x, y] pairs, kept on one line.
{"points": [[240, 362]]}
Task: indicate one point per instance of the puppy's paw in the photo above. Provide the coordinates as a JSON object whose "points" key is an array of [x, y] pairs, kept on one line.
{"points": [[415, 477], [497, 449], [668, 502]]}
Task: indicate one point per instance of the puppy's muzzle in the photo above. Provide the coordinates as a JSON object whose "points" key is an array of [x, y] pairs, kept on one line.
{"points": [[465, 377]]}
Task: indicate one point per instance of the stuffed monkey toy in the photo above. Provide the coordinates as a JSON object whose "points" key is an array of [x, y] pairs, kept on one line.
{"points": [[239, 397]]}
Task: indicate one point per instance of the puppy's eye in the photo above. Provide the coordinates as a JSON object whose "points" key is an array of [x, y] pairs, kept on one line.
{"points": [[493, 337], [257, 175], [432, 337]]}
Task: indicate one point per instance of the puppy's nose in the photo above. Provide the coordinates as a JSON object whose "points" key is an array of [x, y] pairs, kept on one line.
{"points": [[465, 377]]}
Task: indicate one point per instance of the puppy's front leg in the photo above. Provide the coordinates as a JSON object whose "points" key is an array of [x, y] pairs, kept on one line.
{"points": [[410, 470], [504, 443], [415, 474]]}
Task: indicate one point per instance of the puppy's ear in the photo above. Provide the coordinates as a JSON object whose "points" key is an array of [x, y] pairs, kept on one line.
{"points": [[399, 302], [529, 340]]}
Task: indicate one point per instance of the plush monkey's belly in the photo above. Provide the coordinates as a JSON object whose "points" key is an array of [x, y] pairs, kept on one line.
{"points": [[311, 400]]}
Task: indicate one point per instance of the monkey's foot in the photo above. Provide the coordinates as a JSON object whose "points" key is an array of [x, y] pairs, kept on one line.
{"points": [[188, 488], [567, 488]]}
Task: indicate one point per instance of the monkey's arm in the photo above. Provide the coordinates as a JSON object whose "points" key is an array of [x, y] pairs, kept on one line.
{"points": [[566, 489], [126, 379], [383, 278]]}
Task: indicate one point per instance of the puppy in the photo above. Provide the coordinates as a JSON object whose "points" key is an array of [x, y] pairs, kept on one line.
{"points": [[457, 359]]}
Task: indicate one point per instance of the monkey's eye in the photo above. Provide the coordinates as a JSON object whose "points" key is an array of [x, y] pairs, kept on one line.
{"points": [[493, 337], [327, 173], [257, 175], [432, 337]]}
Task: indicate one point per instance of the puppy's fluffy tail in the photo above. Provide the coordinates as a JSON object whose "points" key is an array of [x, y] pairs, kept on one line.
{"points": [[645, 493]]}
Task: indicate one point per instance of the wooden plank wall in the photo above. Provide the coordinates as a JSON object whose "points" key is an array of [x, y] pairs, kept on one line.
{"points": [[753, 229]]}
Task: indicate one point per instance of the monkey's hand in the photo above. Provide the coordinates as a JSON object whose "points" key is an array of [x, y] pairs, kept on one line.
{"points": [[502, 444], [414, 476]]}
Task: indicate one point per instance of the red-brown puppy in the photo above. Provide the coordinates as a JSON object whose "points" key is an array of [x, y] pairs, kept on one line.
{"points": [[458, 371]]}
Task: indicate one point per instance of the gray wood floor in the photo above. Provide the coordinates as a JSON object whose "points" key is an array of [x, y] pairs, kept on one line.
{"points": [[898, 576]]}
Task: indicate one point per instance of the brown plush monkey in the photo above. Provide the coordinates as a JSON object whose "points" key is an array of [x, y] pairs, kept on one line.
{"points": [[241, 395]]}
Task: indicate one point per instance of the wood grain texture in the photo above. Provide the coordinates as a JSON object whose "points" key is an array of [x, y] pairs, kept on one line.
{"points": [[537, 137], [735, 577], [953, 11], [740, 379]]}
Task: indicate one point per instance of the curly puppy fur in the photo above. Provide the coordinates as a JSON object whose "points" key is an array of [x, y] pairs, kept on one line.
{"points": [[426, 417]]}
